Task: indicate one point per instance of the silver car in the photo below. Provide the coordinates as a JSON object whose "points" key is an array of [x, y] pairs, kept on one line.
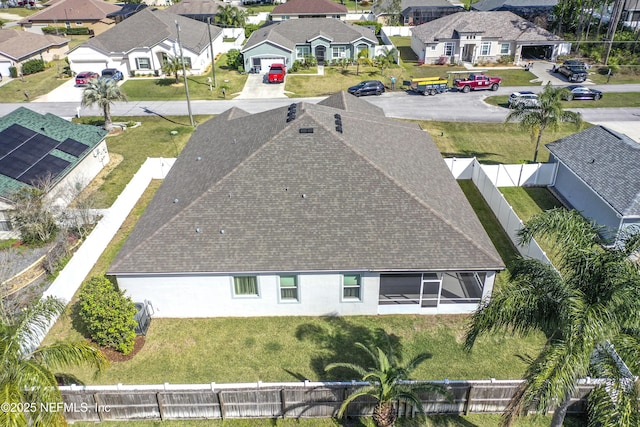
{"points": [[524, 99]]}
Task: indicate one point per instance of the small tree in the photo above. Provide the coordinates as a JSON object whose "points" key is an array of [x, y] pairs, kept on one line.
{"points": [[107, 314], [386, 59], [103, 92], [32, 217], [172, 65], [234, 59], [388, 382], [362, 59]]}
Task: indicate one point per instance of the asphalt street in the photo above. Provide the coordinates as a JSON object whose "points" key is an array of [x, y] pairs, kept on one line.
{"points": [[450, 106]]}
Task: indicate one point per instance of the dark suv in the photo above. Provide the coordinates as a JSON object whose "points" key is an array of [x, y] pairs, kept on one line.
{"points": [[112, 73], [574, 71], [367, 87]]}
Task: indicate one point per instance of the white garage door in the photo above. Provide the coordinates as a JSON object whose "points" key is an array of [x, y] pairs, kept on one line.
{"points": [[4, 68], [265, 63]]}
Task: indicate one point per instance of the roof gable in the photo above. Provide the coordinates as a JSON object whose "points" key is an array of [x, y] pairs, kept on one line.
{"points": [[73, 10], [606, 161], [149, 27], [344, 196], [22, 44], [499, 25]]}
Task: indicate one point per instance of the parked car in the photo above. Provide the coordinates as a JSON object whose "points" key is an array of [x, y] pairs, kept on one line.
{"points": [[477, 82], [277, 73], [83, 77], [526, 99], [112, 73], [574, 71], [582, 92], [367, 87]]}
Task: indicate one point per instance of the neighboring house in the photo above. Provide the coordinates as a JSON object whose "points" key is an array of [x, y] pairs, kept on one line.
{"points": [[288, 41], [538, 11], [294, 9], [416, 12], [36, 149], [310, 209], [17, 47], [201, 10], [128, 9], [597, 174], [140, 44], [478, 37], [91, 14], [631, 14]]}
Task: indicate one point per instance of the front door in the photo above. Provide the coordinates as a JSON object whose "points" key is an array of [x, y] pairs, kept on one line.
{"points": [[320, 51]]}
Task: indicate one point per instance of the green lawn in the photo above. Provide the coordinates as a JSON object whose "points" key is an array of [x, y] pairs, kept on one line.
{"points": [[528, 201], [22, 11], [152, 139], [35, 85], [166, 89], [608, 100], [491, 143]]}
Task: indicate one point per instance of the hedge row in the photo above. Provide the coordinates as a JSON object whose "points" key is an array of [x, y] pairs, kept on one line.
{"points": [[77, 31]]}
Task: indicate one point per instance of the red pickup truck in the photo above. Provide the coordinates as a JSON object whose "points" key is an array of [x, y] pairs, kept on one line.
{"points": [[477, 82], [277, 73]]}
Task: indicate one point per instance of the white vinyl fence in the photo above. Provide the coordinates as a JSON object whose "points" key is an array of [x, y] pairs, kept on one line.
{"points": [[489, 177]]}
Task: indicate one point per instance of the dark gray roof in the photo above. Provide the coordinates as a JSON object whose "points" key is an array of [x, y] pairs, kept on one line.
{"points": [[298, 31], [344, 101], [149, 27], [381, 7], [499, 25], [608, 162], [253, 194], [195, 7], [488, 5]]}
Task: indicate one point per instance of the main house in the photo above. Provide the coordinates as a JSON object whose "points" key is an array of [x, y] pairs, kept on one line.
{"points": [[478, 37], [141, 43], [291, 40], [308, 209], [38, 149], [16, 47], [91, 14], [598, 174], [296, 9]]}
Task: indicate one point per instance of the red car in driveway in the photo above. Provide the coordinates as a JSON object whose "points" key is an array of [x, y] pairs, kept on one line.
{"points": [[277, 73], [83, 78]]}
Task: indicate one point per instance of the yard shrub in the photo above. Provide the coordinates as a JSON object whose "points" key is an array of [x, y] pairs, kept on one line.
{"points": [[13, 72], [32, 66], [107, 314], [249, 29], [377, 25], [234, 59]]}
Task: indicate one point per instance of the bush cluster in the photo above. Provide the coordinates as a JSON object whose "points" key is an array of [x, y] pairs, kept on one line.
{"points": [[32, 66], [107, 314], [234, 59], [77, 31]]}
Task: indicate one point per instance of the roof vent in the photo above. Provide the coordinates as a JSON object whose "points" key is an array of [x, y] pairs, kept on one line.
{"points": [[304, 196], [291, 112], [222, 231], [592, 161], [175, 200], [339, 128], [306, 130], [198, 158], [198, 230]]}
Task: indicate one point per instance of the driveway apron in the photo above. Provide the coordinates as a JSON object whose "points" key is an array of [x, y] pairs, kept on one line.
{"points": [[258, 86]]}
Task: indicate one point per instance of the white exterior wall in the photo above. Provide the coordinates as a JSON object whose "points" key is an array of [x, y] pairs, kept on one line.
{"points": [[85, 58], [212, 296]]}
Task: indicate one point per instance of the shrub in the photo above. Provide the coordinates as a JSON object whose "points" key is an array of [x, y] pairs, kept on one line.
{"points": [[234, 59], [13, 72], [249, 29], [375, 24], [32, 66], [107, 314]]}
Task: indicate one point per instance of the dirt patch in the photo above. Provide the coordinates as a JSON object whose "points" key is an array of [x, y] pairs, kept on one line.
{"points": [[96, 183], [115, 356]]}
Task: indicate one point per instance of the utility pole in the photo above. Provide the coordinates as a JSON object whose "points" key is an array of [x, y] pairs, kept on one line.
{"points": [[213, 58], [184, 75]]}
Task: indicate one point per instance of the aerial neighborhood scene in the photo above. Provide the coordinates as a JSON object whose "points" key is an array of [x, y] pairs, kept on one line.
{"points": [[358, 213]]}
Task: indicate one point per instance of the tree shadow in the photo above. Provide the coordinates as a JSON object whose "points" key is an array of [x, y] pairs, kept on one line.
{"points": [[335, 340], [543, 198], [480, 155]]}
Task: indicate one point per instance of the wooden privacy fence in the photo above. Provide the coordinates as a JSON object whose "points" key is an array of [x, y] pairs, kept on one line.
{"points": [[274, 400]]}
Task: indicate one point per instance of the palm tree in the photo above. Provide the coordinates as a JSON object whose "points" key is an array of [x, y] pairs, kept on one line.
{"points": [[362, 59], [173, 65], [230, 16], [27, 375], [388, 382], [103, 92], [386, 59], [585, 309], [548, 115]]}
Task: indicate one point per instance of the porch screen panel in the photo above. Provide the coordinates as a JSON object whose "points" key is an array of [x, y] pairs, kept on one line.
{"points": [[400, 288]]}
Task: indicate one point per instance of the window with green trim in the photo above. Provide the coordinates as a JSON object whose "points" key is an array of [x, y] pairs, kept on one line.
{"points": [[245, 286], [351, 286], [288, 288]]}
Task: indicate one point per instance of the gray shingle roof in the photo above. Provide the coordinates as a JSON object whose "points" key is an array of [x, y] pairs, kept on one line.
{"points": [[499, 25], [21, 45], [149, 27], [73, 10], [608, 162], [377, 196], [288, 33], [488, 5], [383, 6], [307, 7], [195, 7]]}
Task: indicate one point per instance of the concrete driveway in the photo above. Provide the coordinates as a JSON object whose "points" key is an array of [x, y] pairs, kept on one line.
{"points": [[257, 86], [66, 92]]}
